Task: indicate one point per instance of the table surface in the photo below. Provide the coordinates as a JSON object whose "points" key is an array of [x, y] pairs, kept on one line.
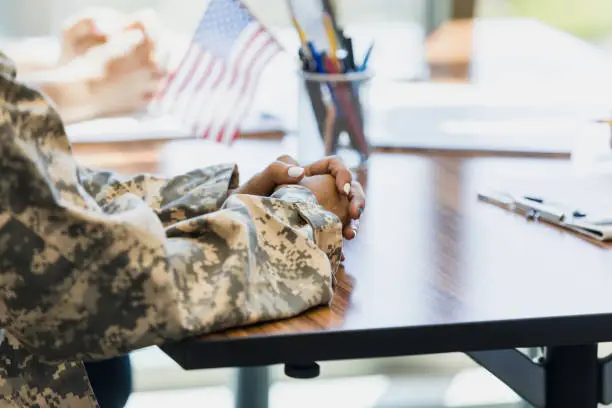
{"points": [[435, 270]]}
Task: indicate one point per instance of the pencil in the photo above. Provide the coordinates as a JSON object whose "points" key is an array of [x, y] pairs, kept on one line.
{"points": [[333, 41], [300, 32], [303, 39], [330, 125]]}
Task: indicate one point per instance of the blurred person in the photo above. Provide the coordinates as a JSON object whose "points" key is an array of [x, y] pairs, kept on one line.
{"points": [[94, 266]]}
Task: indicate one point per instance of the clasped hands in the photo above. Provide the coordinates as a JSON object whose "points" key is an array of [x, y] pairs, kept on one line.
{"points": [[328, 179], [107, 65]]}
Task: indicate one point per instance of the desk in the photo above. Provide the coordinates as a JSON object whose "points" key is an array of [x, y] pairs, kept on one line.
{"points": [[428, 274], [436, 278]]}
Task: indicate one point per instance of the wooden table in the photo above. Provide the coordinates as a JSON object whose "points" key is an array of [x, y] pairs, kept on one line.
{"points": [[433, 270]]}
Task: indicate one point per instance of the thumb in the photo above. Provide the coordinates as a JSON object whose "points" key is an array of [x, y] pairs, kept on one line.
{"points": [[275, 175], [285, 173]]}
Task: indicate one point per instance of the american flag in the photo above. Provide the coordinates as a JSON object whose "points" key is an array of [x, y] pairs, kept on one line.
{"points": [[213, 87]]}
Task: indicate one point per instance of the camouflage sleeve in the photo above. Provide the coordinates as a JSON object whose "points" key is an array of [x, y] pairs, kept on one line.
{"points": [[86, 282], [173, 199], [92, 265]]}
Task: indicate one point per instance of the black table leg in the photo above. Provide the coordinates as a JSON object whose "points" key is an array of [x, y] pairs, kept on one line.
{"points": [[252, 387], [572, 377]]}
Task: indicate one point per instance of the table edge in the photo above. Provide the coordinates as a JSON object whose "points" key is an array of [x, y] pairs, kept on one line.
{"points": [[327, 345]]}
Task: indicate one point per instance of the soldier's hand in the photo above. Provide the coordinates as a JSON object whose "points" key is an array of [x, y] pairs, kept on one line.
{"points": [[324, 189], [286, 170], [278, 173], [345, 185]]}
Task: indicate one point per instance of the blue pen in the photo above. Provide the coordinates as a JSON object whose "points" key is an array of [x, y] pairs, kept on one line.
{"points": [[316, 57], [364, 64]]}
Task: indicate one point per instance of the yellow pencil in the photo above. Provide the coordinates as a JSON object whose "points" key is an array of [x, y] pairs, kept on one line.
{"points": [[607, 122], [300, 32], [333, 41]]}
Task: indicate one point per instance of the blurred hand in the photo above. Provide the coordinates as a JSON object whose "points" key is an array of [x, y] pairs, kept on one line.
{"points": [[95, 26], [128, 75], [107, 66]]}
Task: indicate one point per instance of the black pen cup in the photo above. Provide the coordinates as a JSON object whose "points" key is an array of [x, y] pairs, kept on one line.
{"points": [[333, 117]]}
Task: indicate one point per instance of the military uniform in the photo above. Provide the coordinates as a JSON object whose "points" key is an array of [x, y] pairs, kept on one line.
{"points": [[93, 265]]}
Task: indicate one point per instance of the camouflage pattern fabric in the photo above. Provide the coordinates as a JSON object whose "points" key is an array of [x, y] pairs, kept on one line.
{"points": [[93, 265]]}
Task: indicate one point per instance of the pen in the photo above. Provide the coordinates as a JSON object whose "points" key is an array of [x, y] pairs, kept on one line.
{"points": [[348, 43], [307, 49], [316, 57], [575, 213], [364, 64], [535, 199], [540, 211]]}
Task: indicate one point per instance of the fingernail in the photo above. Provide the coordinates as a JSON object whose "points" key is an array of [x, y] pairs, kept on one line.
{"points": [[354, 233], [360, 211], [347, 188], [295, 172]]}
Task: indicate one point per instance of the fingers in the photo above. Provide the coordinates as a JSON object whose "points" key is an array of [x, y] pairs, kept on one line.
{"points": [[146, 20], [357, 200], [276, 174], [356, 207], [332, 165], [350, 231], [285, 173], [84, 29], [80, 35], [127, 52], [99, 20], [133, 36]]}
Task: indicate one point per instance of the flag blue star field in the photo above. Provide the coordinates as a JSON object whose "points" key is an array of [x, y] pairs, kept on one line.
{"points": [[213, 87]]}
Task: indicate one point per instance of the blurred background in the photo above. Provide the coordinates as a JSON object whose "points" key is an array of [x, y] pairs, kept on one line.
{"points": [[587, 19], [557, 50]]}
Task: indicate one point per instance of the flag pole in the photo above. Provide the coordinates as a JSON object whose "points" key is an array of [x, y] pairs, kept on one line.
{"points": [[280, 45]]}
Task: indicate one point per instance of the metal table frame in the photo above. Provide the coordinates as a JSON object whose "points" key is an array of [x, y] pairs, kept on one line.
{"points": [[559, 377]]}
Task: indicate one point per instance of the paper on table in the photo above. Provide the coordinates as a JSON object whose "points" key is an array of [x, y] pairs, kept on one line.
{"points": [[590, 195], [129, 128]]}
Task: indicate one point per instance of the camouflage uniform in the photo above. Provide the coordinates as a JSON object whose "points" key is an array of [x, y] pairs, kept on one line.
{"points": [[93, 265]]}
